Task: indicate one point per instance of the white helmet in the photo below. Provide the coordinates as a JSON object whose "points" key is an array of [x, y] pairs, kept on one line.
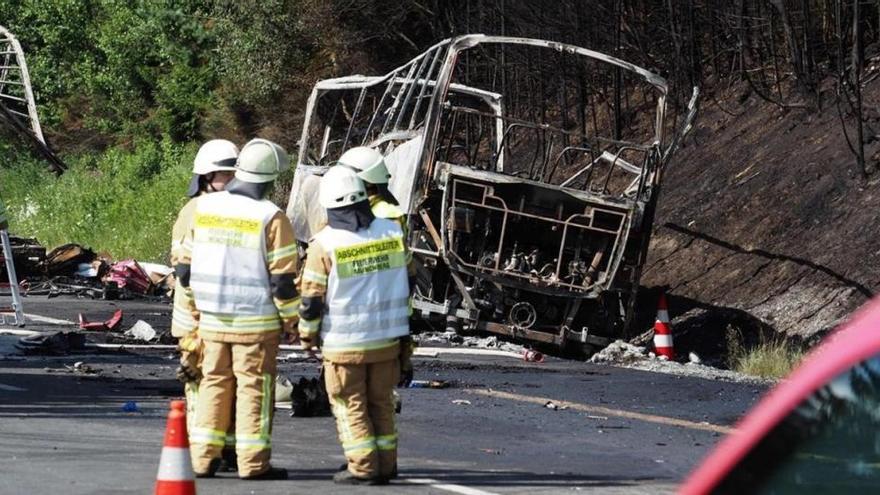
{"points": [[261, 161], [369, 164], [215, 156], [341, 186]]}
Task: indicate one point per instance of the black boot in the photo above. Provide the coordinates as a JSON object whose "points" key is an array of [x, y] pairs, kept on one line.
{"points": [[345, 477], [273, 473], [229, 461]]}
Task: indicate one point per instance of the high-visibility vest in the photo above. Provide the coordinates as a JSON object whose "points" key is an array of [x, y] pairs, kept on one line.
{"points": [[367, 298], [229, 274]]}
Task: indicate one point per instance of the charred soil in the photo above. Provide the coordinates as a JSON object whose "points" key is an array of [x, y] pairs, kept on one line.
{"points": [[765, 217]]}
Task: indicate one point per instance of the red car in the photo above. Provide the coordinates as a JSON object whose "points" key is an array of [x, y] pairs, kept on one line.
{"points": [[816, 432]]}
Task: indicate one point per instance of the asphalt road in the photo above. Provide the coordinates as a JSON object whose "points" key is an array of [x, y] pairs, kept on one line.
{"points": [[616, 430]]}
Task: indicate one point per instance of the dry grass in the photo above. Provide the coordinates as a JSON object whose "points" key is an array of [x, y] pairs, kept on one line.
{"points": [[771, 357]]}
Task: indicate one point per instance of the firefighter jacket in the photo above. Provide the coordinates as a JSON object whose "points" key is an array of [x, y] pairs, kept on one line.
{"points": [[383, 209], [184, 316], [356, 292], [243, 258]]}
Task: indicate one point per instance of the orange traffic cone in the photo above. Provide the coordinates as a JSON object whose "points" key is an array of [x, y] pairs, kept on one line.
{"points": [[662, 330], [175, 475]]}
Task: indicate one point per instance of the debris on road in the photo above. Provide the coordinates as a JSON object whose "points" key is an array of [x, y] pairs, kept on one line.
{"points": [[130, 407], [52, 344], [81, 367], [532, 356], [554, 406], [106, 326], [461, 402], [429, 384], [620, 353], [141, 330]]}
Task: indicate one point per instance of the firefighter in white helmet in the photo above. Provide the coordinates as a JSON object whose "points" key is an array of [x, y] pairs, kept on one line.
{"points": [[355, 306], [213, 168], [370, 167], [240, 260]]}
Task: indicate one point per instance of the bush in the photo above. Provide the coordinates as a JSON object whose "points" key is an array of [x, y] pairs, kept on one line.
{"points": [[123, 201]]}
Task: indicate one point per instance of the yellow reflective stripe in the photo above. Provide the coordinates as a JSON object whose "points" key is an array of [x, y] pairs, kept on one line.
{"points": [[182, 319], [290, 308], [368, 346], [252, 324], [340, 411], [277, 254], [309, 326], [266, 407], [242, 319], [315, 277], [207, 436], [251, 442], [387, 442], [359, 446]]}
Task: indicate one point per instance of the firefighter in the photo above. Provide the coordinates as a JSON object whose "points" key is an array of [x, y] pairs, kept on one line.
{"points": [[370, 167], [240, 258], [355, 307], [213, 168]]}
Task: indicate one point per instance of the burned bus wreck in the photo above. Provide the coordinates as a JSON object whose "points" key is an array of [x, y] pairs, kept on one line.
{"points": [[529, 171]]}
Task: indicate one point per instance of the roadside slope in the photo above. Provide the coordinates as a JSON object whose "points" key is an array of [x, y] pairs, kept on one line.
{"points": [[765, 212]]}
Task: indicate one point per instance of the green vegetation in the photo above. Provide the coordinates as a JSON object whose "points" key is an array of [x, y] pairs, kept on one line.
{"points": [[126, 92], [770, 357], [123, 201]]}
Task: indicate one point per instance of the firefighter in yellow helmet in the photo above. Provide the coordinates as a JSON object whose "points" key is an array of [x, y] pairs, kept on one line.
{"points": [[355, 306], [370, 167], [239, 259], [213, 168]]}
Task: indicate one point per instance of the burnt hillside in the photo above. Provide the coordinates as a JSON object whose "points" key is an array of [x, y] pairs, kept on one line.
{"points": [[766, 211]]}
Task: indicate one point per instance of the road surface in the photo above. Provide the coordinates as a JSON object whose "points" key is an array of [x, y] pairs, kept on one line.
{"points": [[614, 430]]}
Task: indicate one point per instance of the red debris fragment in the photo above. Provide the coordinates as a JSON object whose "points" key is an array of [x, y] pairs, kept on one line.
{"points": [[106, 326]]}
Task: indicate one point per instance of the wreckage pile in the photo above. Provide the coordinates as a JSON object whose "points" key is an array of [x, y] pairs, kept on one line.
{"points": [[72, 269]]}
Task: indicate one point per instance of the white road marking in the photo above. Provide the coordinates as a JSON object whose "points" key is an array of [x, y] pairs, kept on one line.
{"points": [[46, 319], [463, 490], [11, 388]]}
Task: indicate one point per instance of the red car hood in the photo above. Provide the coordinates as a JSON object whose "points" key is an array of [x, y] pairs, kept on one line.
{"points": [[855, 341]]}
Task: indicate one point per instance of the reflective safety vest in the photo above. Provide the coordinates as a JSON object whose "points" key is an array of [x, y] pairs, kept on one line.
{"points": [[367, 300], [229, 275]]}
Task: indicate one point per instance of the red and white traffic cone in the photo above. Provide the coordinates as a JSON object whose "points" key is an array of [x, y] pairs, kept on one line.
{"points": [[175, 475], [662, 330]]}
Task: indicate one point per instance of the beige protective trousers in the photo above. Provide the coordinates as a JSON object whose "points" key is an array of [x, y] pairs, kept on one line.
{"points": [[191, 392], [361, 396], [245, 374]]}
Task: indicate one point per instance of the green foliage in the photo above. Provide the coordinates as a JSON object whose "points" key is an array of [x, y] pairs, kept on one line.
{"points": [[123, 201]]}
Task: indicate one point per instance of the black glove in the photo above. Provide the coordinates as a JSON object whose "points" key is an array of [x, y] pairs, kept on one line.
{"points": [[189, 371]]}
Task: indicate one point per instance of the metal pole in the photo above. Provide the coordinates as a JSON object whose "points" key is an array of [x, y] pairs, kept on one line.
{"points": [[13, 279]]}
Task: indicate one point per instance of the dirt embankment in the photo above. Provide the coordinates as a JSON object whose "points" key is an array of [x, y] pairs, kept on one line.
{"points": [[765, 212]]}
